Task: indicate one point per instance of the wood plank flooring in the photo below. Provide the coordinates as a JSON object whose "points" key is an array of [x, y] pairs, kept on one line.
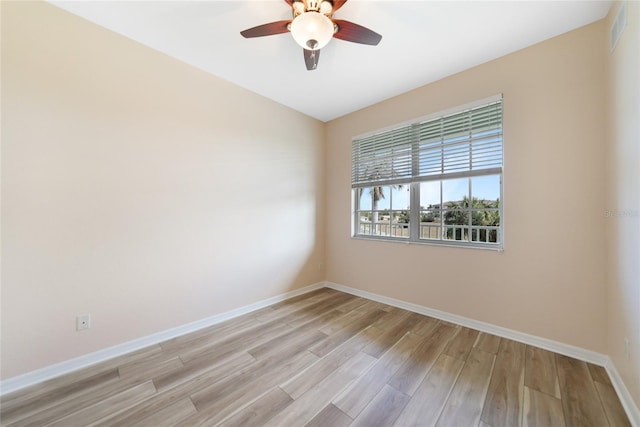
{"points": [[327, 359]]}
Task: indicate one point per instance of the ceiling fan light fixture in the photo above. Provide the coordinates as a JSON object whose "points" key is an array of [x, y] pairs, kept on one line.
{"points": [[312, 30]]}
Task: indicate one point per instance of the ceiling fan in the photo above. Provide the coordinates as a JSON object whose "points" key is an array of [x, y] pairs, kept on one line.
{"points": [[313, 26]]}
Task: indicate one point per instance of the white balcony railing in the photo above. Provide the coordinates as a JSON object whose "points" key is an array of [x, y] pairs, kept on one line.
{"points": [[434, 231]]}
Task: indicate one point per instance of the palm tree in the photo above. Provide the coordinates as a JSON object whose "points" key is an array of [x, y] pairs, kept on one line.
{"points": [[377, 194], [488, 214], [489, 218], [456, 214]]}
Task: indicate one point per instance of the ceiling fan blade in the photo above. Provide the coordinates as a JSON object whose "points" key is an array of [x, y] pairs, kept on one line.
{"points": [[311, 58], [356, 33], [337, 4], [269, 29]]}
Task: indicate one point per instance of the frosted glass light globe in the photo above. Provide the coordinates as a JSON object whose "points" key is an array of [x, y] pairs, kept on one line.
{"points": [[312, 30]]}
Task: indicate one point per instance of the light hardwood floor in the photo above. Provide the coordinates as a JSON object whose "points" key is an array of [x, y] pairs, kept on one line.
{"points": [[327, 358]]}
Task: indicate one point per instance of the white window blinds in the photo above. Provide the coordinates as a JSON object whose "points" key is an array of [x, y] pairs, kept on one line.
{"points": [[466, 143]]}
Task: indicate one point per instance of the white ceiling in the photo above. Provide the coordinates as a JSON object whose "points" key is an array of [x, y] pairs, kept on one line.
{"points": [[423, 41]]}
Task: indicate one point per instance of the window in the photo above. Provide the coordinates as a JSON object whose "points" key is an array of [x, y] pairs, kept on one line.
{"points": [[437, 180]]}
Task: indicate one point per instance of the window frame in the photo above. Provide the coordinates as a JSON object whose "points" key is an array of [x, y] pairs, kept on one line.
{"points": [[415, 210]]}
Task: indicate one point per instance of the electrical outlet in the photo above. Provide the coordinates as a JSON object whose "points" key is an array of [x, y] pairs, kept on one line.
{"points": [[83, 321], [626, 349]]}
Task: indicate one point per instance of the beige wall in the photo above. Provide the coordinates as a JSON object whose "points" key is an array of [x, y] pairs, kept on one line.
{"points": [[139, 189], [623, 201], [550, 279]]}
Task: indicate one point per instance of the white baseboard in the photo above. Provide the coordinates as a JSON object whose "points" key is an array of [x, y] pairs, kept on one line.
{"points": [[547, 344], [630, 407], [555, 346], [34, 377]]}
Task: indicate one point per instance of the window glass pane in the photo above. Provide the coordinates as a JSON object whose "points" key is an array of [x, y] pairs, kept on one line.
{"points": [[375, 198], [430, 227], [485, 217], [381, 197], [486, 188], [457, 232], [456, 215], [364, 216], [365, 198], [486, 225], [430, 194], [401, 217], [381, 224], [400, 224], [364, 223], [455, 192], [400, 197], [455, 197], [430, 214]]}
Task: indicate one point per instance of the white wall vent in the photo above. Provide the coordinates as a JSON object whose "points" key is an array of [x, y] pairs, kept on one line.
{"points": [[618, 26]]}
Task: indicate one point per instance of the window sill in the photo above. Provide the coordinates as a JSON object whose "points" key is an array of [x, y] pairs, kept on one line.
{"points": [[496, 248]]}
